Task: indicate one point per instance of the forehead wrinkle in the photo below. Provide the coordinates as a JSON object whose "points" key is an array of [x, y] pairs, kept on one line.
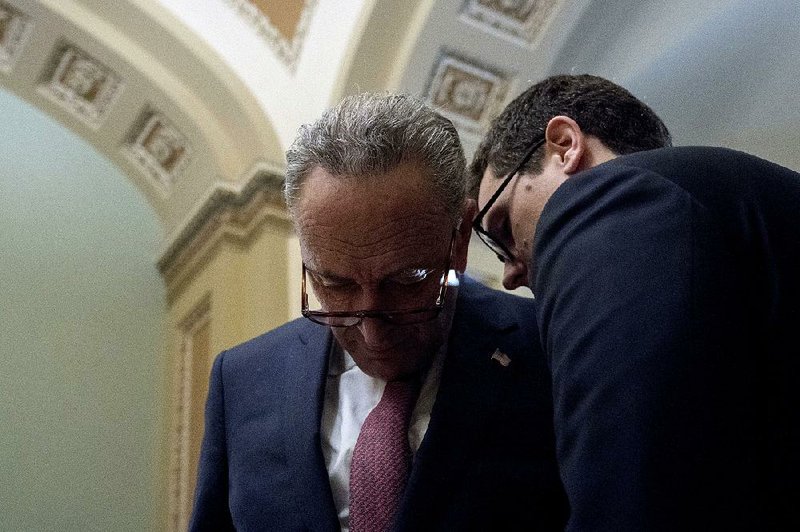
{"points": [[403, 231], [374, 249], [388, 253]]}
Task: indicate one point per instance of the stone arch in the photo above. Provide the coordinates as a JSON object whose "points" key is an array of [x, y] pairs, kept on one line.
{"points": [[144, 91]]}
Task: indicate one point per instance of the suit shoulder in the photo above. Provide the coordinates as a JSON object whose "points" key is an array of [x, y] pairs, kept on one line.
{"points": [[481, 306], [271, 344], [490, 300], [704, 161]]}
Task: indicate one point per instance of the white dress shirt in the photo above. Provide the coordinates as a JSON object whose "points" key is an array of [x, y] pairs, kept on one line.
{"points": [[350, 394]]}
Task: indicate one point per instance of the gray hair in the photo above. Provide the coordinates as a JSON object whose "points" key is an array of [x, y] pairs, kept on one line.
{"points": [[371, 134]]}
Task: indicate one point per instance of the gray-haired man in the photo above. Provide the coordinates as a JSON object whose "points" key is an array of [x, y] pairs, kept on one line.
{"points": [[412, 397]]}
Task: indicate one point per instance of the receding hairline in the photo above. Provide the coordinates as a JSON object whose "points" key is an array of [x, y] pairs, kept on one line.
{"points": [[414, 163], [373, 133]]}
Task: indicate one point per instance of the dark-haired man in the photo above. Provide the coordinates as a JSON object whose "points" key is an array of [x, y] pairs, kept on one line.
{"points": [[668, 282]]}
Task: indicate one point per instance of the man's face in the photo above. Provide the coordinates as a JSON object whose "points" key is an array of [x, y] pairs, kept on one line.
{"points": [[513, 218], [364, 242]]}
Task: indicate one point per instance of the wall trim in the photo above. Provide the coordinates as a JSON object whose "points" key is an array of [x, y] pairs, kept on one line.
{"points": [[180, 485], [227, 214]]}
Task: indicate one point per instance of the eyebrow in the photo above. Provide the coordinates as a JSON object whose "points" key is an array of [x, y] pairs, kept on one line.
{"points": [[328, 275]]}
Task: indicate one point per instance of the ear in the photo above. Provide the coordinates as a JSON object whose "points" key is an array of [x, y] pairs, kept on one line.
{"points": [[565, 144], [464, 232]]}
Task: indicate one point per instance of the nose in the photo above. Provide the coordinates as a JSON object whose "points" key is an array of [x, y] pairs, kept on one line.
{"points": [[374, 331], [368, 298], [515, 274]]}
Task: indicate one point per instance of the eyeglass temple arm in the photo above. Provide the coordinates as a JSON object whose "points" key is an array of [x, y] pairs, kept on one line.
{"points": [[303, 293], [517, 169]]}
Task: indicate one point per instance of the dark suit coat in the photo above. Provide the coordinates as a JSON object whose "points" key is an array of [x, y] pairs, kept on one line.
{"points": [[487, 461], [668, 292]]}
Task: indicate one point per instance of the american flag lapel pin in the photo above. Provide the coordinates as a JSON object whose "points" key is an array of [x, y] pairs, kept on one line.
{"points": [[501, 358]]}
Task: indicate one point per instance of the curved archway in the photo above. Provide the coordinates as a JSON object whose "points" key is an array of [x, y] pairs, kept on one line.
{"points": [[134, 82], [81, 324]]}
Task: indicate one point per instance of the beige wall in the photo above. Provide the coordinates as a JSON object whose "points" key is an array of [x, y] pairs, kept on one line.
{"points": [[81, 323], [228, 282]]}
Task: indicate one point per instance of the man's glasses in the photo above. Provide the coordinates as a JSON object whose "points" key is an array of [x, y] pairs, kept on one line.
{"points": [[409, 316], [493, 243]]}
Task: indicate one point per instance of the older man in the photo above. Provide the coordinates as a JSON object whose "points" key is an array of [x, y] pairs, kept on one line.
{"points": [[410, 398], [668, 283]]}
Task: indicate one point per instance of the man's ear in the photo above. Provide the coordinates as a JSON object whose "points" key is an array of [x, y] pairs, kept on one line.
{"points": [[464, 233], [565, 141]]}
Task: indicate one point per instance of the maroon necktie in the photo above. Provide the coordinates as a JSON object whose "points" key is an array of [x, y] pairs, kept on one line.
{"points": [[382, 459]]}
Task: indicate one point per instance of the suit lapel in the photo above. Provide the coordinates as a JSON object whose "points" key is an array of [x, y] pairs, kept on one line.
{"points": [[468, 393], [305, 392]]}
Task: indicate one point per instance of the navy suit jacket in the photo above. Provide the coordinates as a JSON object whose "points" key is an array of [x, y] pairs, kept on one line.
{"points": [[668, 290], [487, 460]]}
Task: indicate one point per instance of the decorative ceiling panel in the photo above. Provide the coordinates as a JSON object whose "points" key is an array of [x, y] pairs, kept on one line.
{"points": [[159, 150], [466, 92], [82, 85], [285, 15], [282, 25], [14, 30], [520, 20]]}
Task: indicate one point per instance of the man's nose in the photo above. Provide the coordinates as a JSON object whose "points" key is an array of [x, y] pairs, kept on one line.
{"points": [[374, 331], [369, 299], [515, 274]]}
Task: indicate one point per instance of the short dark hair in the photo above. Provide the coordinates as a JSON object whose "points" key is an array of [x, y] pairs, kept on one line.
{"points": [[601, 108]]}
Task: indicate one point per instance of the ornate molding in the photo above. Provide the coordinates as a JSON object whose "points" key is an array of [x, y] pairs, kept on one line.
{"points": [[158, 149], [81, 84], [227, 215], [287, 50], [467, 92], [15, 27], [518, 20], [185, 400]]}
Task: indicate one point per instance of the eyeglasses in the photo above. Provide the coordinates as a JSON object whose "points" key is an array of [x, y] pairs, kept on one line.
{"points": [[493, 243], [408, 316]]}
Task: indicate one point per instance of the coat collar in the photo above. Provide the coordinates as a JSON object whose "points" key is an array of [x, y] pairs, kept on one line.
{"points": [[468, 394], [305, 393]]}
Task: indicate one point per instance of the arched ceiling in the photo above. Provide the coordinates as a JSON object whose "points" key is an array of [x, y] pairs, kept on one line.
{"points": [[190, 97], [129, 79]]}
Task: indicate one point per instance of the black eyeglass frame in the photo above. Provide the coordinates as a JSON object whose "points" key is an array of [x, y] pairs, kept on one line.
{"points": [[389, 316], [491, 242]]}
